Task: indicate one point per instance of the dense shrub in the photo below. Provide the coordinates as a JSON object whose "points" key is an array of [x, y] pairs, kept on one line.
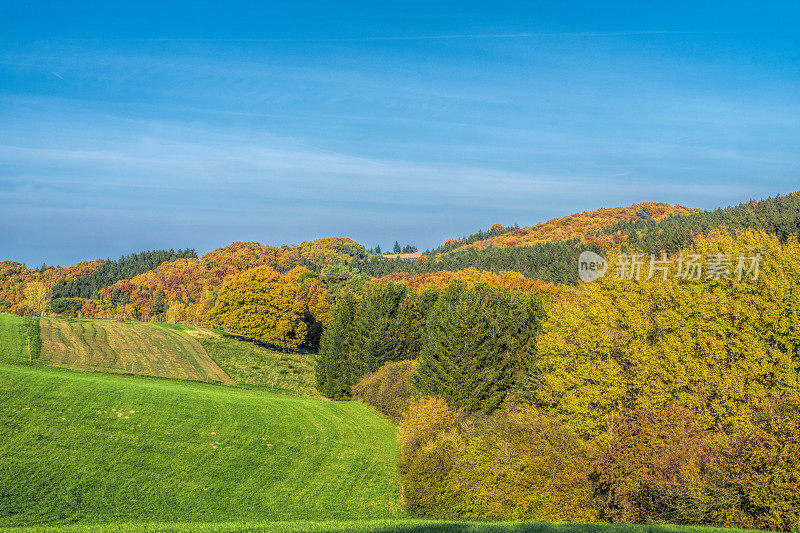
{"points": [[429, 447], [652, 467], [522, 465], [389, 389], [515, 464], [757, 479]]}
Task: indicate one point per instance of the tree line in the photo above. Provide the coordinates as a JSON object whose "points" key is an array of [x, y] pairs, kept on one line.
{"points": [[109, 272], [620, 400], [779, 216], [551, 262]]}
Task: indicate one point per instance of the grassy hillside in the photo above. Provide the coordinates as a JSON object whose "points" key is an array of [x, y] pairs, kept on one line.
{"points": [[252, 365], [91, 452], [98, 448], [159, 349], [13, 339], [133, 347]]}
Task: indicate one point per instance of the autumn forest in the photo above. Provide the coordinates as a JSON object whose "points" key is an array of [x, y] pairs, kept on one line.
{"points": [[520, 392]]}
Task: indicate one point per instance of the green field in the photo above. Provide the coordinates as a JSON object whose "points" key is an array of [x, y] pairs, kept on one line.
{"points": [[13, 339], [97, 452], [98, 448]]}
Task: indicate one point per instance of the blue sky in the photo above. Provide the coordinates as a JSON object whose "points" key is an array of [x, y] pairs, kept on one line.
{"points": [[127, 126]]}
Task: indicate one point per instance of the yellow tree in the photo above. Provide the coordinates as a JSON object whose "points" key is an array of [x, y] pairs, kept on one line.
{"points": [[710, 345], [204, 306], [37, 297]]}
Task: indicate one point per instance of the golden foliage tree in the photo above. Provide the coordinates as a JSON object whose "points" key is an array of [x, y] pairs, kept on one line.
{"points": [[516, 464], [711, 346], [272, 307], [37, 297]]}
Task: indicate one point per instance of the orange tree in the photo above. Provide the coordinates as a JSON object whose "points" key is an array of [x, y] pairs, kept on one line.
{"points": [[652, 467], [275, 308]]}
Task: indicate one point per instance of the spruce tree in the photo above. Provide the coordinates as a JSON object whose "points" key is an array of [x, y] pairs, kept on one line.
{"points": [[333, 369], [376, 327], [478, 341]]}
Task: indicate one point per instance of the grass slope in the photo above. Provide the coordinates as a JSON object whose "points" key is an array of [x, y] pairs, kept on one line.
{"points": [[13, 339], [133, 347], [252, 365], [101, 448], [90, 452]]}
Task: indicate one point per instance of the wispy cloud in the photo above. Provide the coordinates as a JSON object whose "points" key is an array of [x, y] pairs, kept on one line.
{"points": [[434, 37], [120, 143]]}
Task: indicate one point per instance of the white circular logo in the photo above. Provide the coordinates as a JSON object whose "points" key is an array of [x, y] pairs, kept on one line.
{"points": [[591, 266]]}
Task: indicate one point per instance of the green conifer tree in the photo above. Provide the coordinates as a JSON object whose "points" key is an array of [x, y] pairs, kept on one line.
{"points": [[333, 368], [478, 340]]}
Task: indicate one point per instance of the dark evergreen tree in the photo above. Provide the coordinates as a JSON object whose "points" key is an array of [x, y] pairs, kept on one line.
{"points": [[70, 307], [386, 323], [375, 328], [396, 247], [333, 368], [126, 267], [479, 340], [159, 306]]}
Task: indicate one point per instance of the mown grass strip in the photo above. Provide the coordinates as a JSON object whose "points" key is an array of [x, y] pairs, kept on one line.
{"points": [[124, 347], [33, 332]]}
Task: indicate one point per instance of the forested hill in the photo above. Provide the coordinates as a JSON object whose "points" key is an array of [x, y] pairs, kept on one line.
{"points": [[146, 284], [549, 251], [589, 226], [779, 216], [126, 267]]}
